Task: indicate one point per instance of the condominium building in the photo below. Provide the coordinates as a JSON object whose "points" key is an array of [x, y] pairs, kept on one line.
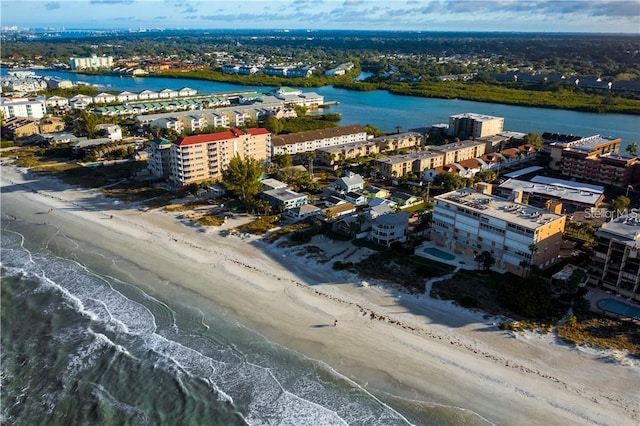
{"points": [[475, 125], [159, 157], [616, 261], [609, 169], [204, 157], [459, 151], [296, 143], [518, 235], [330, 155], [92, 62], [588, 148], [400, 165], [33, 107]]}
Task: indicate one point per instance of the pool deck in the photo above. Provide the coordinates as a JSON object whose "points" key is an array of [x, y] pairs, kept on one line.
{"points": [[596, 294], [459, 260]]}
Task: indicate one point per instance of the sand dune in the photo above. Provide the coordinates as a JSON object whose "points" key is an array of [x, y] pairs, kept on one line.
{"points": [[387, 341]]}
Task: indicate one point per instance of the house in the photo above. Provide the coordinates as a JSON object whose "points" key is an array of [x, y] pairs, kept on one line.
{"points": [[57, 102], [111, 131], [303, 212], [104, 98], [167, 94], [352, 182], [339, 210], [384, 207], [186, 91], [402, 199], [356, 198], [390, 228], [375, 192], [80, 101], [127, 96], [168, 123], [282, 199], [269, 184]]}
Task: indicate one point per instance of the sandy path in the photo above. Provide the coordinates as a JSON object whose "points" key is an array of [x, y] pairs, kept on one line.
{"points": [[411, 346]]}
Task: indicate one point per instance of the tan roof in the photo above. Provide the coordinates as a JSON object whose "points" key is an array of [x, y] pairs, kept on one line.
{"points": [[312, 135]]}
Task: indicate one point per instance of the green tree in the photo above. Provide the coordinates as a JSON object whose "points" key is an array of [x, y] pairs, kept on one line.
{"points": [[274, 125], [282, 160], [534, 139], [620, 204], [632, 149], [242, 177], [371, 130], [449, 181], [486, 260]]}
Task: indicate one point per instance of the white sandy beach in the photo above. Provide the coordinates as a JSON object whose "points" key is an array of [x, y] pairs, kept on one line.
{"points": [[421, 349]]}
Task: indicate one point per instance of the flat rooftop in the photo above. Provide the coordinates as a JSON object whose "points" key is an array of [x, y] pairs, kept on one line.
{"points": [[625, 229], [489, 205], [552, 190], [477, 117], [586, 144]]}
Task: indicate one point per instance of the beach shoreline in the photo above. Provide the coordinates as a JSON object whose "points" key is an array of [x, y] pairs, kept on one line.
{"points": [[387, 341]]}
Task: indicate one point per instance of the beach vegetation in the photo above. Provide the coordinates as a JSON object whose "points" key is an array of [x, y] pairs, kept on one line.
{"points": [[259, 226], [209, 220], [601, 332], [242, 177]]}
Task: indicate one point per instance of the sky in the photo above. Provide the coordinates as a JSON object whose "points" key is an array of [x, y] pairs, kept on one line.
{"points": [[584, 16]]}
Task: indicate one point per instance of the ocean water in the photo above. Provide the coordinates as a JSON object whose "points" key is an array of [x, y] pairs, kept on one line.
{"points": [[86, 341]]}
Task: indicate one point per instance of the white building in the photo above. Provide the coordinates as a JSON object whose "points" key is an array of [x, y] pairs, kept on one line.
{"points": [[295, 143], [111, 131], [104, 98], [34, 107], [92, 62], [159, 157], [517, 235], [57, 102]]}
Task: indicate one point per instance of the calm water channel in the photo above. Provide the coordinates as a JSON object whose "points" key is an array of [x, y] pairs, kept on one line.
{"points": [[387, 111]]}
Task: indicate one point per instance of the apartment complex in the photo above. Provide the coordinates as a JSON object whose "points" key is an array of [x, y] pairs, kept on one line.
{"points": [[34, 107], [590, 147], [332, 154], [616, 261], [436, 156], [518, 235], [609, 169], [475, 125], [203, 157], [297, 143], [93, 62]]}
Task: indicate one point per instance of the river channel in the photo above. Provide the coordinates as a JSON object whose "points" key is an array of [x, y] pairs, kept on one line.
{"points": [[388, 112]]}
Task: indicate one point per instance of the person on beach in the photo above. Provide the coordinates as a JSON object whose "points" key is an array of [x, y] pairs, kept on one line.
{"points": [[335, 323]]}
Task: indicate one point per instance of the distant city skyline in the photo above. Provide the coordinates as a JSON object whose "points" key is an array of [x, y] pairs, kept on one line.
{"points": [[582, 16]]}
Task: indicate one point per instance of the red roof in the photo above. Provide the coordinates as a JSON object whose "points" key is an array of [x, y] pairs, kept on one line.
{"points": [[219, 136]]}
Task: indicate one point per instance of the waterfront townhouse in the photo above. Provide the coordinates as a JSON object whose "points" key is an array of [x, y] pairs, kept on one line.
{"points": [[169, 123], [616, 261], [297, 143], [187, 91], [80, 101], [204, 157], [147, 95], [518, 235], [127, 96], [331, 155], [33, 107], [167, 94], [475, 125]]}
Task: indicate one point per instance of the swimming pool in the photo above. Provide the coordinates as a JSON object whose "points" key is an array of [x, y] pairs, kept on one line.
{"points": [[618, 307], [438, 253]]}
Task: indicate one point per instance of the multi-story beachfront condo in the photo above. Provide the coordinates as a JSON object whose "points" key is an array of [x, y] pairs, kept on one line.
{"points": [[616, 262], [518, 235], [475, 125], [159, 157], [296, 143], [460, 151], [203, 157]]}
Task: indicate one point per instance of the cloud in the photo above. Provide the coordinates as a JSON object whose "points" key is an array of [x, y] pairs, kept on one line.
{"points": [[52, 6]]}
